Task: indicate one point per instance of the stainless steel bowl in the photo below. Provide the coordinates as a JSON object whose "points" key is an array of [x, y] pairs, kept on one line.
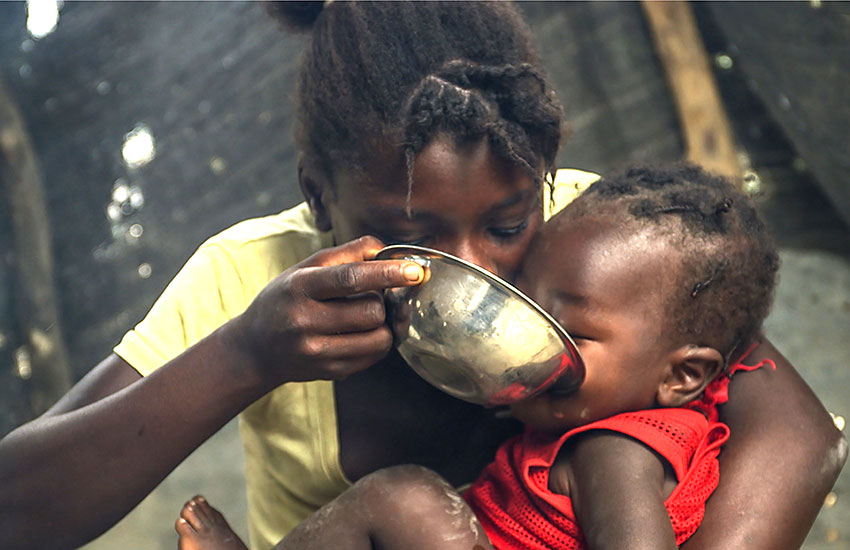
{"points": [[474, 335]]}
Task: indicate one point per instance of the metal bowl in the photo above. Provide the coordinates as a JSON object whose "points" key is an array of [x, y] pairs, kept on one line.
{"points": [[474, 335]]}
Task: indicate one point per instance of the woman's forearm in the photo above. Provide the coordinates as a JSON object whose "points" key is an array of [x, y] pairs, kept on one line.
{"points": [[71, 474], [783, 457], [74, 472]]}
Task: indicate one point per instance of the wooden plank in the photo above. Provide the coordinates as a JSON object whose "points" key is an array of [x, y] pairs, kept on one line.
{"points": [[602, 64], [708, 135], [37, 312]]}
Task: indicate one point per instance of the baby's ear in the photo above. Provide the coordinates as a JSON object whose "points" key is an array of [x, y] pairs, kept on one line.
{"points": [[689, 370], [316, 190]]}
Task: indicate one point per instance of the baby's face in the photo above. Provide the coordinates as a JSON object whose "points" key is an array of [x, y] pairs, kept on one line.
{"points": [[606, 289]]}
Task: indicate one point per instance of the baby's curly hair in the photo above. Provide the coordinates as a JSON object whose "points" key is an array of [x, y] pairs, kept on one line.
{"points": [[728, 260], [404, 72]]}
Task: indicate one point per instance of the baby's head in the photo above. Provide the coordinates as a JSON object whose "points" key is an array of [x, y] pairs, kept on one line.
{"points": [[663, 276]]}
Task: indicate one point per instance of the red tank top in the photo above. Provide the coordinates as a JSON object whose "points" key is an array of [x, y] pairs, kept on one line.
{"points": [[512, 500]]}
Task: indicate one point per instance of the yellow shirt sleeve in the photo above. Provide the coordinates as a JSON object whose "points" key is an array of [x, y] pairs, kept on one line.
{"points": [[218, 282], [205, 294]]}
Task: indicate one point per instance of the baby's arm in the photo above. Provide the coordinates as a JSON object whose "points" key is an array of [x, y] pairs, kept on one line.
{"points": [[617, 488]]}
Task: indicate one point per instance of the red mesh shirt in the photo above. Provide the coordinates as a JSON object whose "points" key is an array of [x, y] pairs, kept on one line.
{"points": [[512, 500]]}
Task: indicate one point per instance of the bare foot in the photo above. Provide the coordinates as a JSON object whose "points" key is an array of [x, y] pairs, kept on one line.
{"points": [[202, 527]]}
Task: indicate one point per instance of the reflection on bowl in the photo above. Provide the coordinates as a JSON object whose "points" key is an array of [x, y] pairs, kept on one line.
{"points": [[475, 336]]}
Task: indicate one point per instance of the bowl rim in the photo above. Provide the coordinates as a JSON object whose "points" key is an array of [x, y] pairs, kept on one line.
{"points": [[392, 251]]}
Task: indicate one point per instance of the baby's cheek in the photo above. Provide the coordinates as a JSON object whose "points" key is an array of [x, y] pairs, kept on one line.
{"points": [[530, 411], [547, 413], [520, 411], [569, 413]]}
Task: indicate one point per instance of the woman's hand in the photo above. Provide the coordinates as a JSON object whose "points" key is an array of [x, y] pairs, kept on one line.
{"points": [[323, 318]]}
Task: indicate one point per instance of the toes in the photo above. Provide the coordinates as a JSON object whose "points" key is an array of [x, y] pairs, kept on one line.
{"points": [[193, 515], [183, 528], [203, 509], [202, 526], [200, 515], [188, 538], [210, 515]]}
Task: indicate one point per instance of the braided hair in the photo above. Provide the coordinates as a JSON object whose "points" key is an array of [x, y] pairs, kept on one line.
{"points": [[728, 260], [404, 72]]}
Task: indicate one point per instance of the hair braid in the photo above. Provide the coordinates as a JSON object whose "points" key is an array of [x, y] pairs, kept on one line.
{"points": [[509, 105], [405, 71]]}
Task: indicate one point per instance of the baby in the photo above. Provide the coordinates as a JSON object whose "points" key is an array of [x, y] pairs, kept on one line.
{"points": [[663, 277]]}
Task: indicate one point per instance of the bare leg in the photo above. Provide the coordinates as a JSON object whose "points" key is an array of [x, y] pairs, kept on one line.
{"points": [[202, 527], [398, 508]]}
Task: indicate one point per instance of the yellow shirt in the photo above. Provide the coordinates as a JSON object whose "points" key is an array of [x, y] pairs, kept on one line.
{"points": [[290, 436]]}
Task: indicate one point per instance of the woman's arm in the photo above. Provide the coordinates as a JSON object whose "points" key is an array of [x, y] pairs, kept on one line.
{"points": [[74, 472], [71, 474], [781, 460], [616, 485]]}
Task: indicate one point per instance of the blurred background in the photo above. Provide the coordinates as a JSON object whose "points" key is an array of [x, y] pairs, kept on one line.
{"points": [[130, 132]]}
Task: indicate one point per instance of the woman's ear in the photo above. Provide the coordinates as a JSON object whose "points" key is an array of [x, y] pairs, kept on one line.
{"points": [[689, 370], [316, 189]]}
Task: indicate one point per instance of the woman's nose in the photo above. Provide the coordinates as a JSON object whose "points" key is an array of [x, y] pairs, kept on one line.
{"points": [[471, 252]]}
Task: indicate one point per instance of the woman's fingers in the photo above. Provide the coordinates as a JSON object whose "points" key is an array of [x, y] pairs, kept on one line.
{"points": [[359, 250], [338, 281], [341, 336], [339, 355], [348, 270], [343, 315], [324, 317]]}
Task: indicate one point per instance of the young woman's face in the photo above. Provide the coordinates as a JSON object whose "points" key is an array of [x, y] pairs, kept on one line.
{"points": [[465, 201], [606, 289]]}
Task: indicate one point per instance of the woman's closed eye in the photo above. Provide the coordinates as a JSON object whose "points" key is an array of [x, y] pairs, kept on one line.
{"points": [[510, 232], [415, 240]]}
